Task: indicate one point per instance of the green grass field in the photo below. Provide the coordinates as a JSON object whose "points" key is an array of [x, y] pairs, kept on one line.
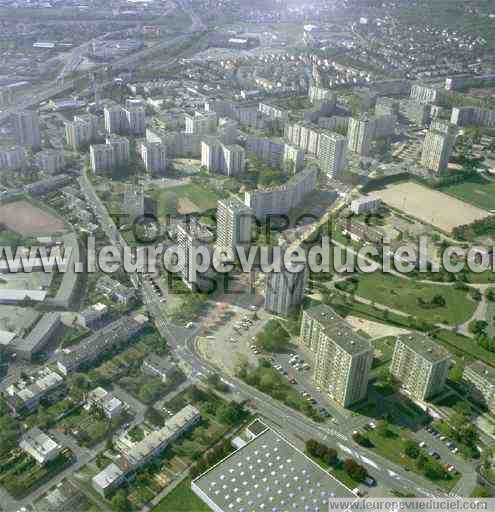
{"points": [[404, 294], [185, 198], [476, 191], [181, 499]]}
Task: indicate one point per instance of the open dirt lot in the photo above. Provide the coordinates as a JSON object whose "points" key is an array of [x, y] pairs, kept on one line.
{"points": [[29, 220], [430, 206]]}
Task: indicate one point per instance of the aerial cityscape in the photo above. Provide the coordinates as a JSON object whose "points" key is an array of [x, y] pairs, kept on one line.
{"points": [[247, 255]]}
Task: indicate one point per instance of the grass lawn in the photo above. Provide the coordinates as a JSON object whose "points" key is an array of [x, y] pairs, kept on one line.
{"points": [[475, 190], [465, 348], [181, 499], [191, 197], [404, 295]]}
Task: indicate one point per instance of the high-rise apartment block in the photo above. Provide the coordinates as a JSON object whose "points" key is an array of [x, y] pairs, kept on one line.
{"points": [[317, 94], [333, 154], [81, 131], [415, 112], [105, 157], [420, 364], [125, 121], [51, 160], [154, 156], [425, 94], [360, 135], [27, 129], [342, 358], [121, 149], [285, 290], [222, 158], [191, 236], [438, 146], [293, 157], [481, 380], [13, 159], [102, 158], [303, 136], [201, 123], [234, 223]]}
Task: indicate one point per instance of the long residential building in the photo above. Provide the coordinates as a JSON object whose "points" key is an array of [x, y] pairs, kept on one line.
{"points": [[95, 345], [463, 116], [280, 200], [342, 358], [420, 365], [134, 455]]}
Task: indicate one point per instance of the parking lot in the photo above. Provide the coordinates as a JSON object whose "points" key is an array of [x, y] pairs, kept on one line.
{"points": [[297, 366]]}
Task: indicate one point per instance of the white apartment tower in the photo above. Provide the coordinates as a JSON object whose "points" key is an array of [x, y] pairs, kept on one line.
{"points": [[342, 357], [438, 146], [360, 135], [333, 154], [154, 156], [234, 222], [420, 364]]}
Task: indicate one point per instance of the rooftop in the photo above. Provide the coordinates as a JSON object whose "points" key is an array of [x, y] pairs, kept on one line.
{"points": [[483, 370], [338, 330], [268, 473], [424, 346]]}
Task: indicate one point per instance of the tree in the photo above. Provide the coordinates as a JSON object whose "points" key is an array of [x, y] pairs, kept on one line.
{"points": [[120, 501], [434, 470], [478, 327], [230, 413], [331, 457], [273, 338], [490, 294], [355, 470], [411, 449]]}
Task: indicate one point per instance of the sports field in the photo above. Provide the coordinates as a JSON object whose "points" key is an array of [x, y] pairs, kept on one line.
{"points": [[430, 206], [29, 220], [184, 199]]}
